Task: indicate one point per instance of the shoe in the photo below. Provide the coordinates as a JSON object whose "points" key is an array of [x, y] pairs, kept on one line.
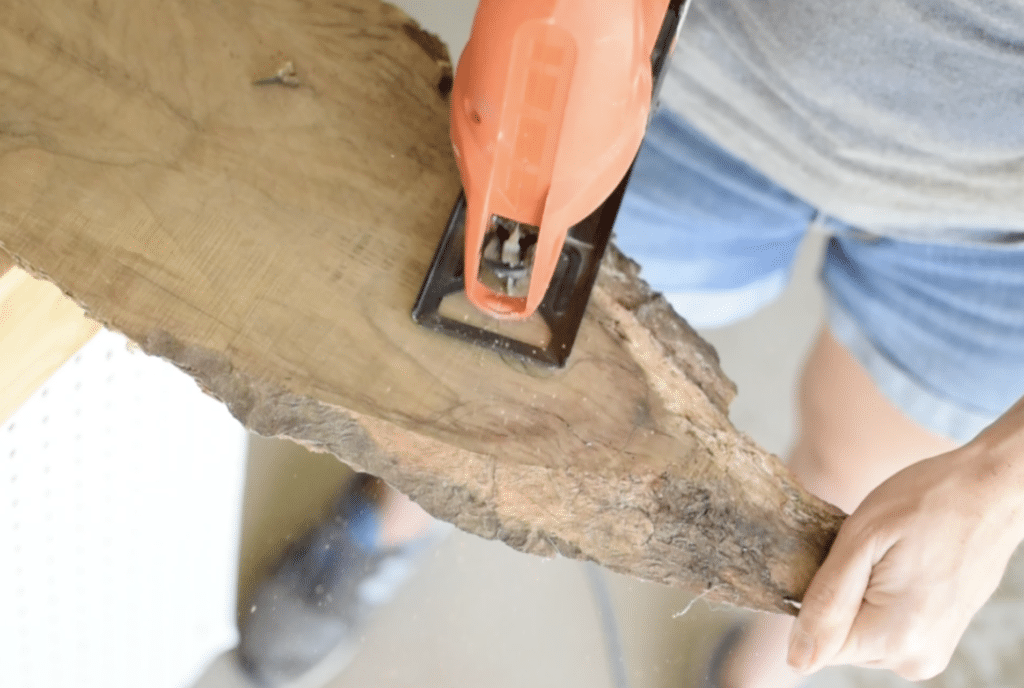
{"points": [[310, 612]]}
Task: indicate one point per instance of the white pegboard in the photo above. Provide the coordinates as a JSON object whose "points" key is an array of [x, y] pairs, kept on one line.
{"points": [[120, 514]]}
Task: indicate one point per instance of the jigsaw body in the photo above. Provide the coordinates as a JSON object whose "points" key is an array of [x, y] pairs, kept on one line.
{"points": [[550, 104]]}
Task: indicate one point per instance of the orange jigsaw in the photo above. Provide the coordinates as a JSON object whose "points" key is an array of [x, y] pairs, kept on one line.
{"points": [[550, 103]]}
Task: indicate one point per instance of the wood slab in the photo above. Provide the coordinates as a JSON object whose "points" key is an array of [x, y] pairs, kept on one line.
{"points": [[270, 238]]}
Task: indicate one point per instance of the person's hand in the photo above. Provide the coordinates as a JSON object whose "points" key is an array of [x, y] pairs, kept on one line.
{"points": [[915, 561]]}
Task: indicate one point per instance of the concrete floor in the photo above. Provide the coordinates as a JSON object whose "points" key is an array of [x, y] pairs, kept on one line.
{"points": [[480, 614]]}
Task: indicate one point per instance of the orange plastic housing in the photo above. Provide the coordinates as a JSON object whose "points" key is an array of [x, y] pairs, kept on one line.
{"points": [[549, 106]]}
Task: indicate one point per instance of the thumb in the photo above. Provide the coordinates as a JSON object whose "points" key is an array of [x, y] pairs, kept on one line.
{"points": [[831, 604]]}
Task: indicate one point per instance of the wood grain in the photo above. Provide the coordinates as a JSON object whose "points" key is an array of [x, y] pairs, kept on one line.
{"points": [[270, 240]]}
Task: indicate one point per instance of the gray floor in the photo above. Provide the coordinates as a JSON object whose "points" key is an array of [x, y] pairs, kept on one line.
{"points": [[479, 614]]}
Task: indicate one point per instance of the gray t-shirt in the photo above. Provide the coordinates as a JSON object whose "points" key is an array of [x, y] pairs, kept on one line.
{"points": [[903, 117]]}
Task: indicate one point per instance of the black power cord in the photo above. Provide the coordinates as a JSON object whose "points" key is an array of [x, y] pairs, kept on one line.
{"points": [[609, 625]]}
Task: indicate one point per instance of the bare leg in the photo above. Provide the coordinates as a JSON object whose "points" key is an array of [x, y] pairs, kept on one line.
{"points": [[404, 520], [850, 439]]}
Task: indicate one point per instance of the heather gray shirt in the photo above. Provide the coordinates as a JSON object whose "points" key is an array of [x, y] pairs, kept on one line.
{"points": [[904, 117]]}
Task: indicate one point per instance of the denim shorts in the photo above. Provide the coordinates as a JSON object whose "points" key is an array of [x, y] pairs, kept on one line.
{"points": [[939, 327]]}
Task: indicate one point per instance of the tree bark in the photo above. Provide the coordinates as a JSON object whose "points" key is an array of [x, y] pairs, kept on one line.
{"points": [[254, 191]]}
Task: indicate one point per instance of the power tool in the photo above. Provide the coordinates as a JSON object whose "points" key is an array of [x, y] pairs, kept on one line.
{"points": [[549, 106]]}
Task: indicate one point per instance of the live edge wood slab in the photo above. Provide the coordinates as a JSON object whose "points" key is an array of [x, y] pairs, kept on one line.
{"points": [[253, 190]]}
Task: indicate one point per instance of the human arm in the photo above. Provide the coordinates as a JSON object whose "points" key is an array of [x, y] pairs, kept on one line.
{"points": [[917, 559]]}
